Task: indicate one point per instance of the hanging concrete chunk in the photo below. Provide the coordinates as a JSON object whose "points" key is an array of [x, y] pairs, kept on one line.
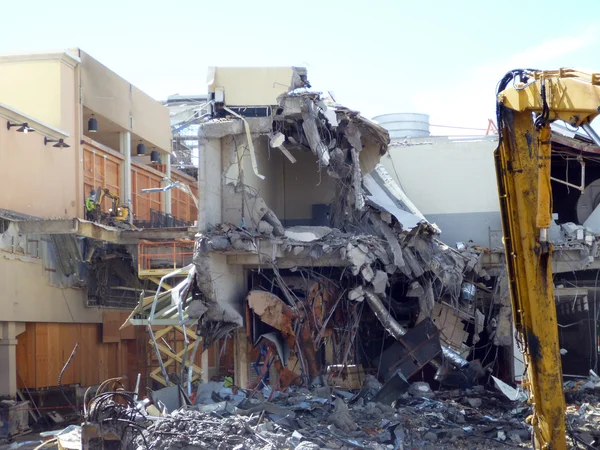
{"points": [[353, 135], [426, 301], [356, 294], [311, 129], [272, 311], [380, 282], [359, 200], [367, 273]]}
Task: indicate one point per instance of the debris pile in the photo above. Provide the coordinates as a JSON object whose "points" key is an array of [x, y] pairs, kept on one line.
{"points": [[323, 417], [299, 419]]}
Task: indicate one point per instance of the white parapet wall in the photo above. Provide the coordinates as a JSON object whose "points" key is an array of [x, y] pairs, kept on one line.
{"points": [[452, 181]]}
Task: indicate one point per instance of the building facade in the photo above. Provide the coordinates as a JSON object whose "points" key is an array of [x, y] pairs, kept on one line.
{"points": [[69, 125]]}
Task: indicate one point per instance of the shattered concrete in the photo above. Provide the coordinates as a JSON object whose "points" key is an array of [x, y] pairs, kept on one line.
{"points": [[478, 418]]}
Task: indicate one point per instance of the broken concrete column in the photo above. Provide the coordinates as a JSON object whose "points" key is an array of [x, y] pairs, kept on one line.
{"points": [[241, 360], [380, 281], [427, 300], [395, 251], [222, 287]]}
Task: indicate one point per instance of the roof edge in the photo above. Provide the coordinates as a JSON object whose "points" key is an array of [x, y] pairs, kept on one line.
{"points": [[63, 56], [14, 115]]}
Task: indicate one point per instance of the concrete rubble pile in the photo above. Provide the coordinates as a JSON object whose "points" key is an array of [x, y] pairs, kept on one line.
{"points": [[322, 416], [225, 418]]}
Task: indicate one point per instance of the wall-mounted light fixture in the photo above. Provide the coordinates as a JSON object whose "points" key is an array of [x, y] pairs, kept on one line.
{"points": [[155, 156], [141, 149], [60, 143], [23, 127], [92, 124]]}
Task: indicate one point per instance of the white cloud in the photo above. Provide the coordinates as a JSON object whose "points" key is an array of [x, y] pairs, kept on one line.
{"points": [[470, 103], [553, 49]]}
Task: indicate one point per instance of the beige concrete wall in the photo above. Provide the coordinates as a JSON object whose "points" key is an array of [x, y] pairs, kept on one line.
{"points": [[305, 185], [25, 296], [267, 84], [36, 179], [109, 95], [33, 87], [270, 165], [289, 189], [234, 148]]}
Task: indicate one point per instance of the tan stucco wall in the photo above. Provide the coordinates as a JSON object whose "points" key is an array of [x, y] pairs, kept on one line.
{"points": [[36, 179], [25, 296], [34, 88], [150, 120], [114, 98]]}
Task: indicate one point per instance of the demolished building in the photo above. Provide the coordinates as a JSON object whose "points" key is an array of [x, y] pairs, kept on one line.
{"points": [[313, 257]]}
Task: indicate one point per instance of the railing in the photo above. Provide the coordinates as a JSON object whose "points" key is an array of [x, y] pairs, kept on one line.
{"points": [[160, 258], [159, 219]]}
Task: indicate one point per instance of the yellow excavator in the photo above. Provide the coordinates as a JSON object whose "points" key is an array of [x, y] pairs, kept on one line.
{"points": [[116, 214], [527, 102]]}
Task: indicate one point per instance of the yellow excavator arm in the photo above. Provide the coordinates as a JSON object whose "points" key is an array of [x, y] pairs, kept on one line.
{"points": [[527, 102]]}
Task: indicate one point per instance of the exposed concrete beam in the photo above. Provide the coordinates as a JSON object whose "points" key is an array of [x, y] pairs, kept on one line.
{"points": [[60, 226], [70, 226], [156, 234], [99, 232], [254, 260]]}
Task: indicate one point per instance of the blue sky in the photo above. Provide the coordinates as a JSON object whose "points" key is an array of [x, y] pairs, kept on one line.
{"points": [[438, 57]]}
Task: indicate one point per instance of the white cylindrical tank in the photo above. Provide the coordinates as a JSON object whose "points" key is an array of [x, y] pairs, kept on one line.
{"points": [[403, 125]]}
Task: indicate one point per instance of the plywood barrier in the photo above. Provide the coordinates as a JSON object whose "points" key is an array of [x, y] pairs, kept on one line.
{"points": [[44, 348], [101, 168], [143, 177], [182, 206], [104, 352]]}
